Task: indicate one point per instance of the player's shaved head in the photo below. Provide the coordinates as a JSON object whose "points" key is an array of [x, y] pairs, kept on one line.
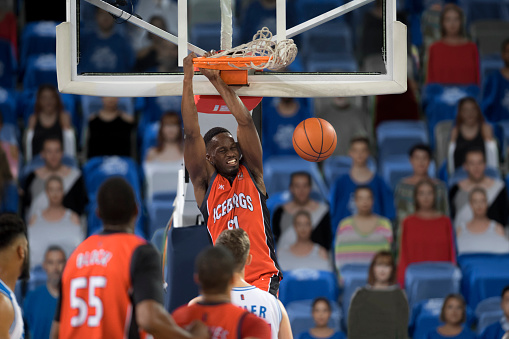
{"points": [[211, 133], [237, 241], [214, 267], [116, 202]]}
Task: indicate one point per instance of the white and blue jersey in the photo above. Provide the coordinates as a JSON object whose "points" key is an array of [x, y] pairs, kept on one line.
{"points": [[261, 303], [17, 328]]}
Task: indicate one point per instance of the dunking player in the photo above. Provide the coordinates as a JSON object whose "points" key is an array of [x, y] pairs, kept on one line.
{"points": [[259, 302], [111, 285], [214, 274], [13, 265], [228, 178]]}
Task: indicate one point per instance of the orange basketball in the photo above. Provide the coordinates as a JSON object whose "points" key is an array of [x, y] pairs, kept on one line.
{"points": [[314, 139]]}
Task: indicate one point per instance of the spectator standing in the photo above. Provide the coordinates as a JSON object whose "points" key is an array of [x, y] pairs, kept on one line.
{"points": [[170, 141], [342, 192], [40, 305], [303, 253], [110, 131], [53, 225], [453, 59], [453, 315], [360, 236], [381, 304], [282, 221], [427, 235], [321, 311], [471, 132], [498, 205], [501, 327], [480, 235], [495, 103]]}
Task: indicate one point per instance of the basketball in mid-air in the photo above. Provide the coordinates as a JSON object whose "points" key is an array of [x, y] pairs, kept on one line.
{"points": [[314, 139]]}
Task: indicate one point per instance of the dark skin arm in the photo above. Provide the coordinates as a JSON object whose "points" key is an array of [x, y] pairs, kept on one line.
{"points": [[247, 136], [194, 147]]}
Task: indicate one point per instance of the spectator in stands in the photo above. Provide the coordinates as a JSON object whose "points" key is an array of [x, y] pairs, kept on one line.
{"points": [[427, 235], [342, 191], [282, 220], [110, 131], [105, 50], [420, 159], [53, 225], [381, 304], [453, 315], [360, 236], [304, 253], [471, 132], [499, 329], [159, 53], [7, 186], [75, 194], [321, 311], [453, 59], [495, 103], [11, 151], [40, 305], [49, 120], [8, 24], [170, 141], [480, 235], [282, 115], [498, 204], [345, 112]]}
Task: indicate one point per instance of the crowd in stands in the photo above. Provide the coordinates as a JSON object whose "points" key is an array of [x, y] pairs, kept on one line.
{"points": [[383, 209]]}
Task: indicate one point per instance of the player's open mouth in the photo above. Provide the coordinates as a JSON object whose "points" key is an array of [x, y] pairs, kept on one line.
{"points": [[232, 162]]}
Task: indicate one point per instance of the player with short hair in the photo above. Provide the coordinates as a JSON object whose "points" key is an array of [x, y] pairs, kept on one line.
{"points": [[261, 303], [111, 285], [14, 265], [228, 177], [214, 273]]}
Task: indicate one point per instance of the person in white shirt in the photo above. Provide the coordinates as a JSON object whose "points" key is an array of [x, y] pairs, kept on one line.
{"points": [[259, 302]]}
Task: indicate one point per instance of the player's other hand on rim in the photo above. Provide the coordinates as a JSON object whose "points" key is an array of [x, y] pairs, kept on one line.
{"points": [[188, 66], [199, 330]]}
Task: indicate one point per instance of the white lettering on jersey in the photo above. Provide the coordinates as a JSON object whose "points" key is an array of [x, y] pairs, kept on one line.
{"points": [[96, 257], [237, 201]]}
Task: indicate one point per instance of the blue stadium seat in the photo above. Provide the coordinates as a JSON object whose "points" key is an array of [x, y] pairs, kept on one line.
{"points": [[396, 167], [8, 106], [484, 276], [9, 202], [476, 10], [206, 36], [158, 239], [489, 65], [277, 171], [487, 312], [159, 213], [299, 313], [425, 317], [397, 137], [328, 40], [8, 65], [96, 171], [10, 133], [149, 137], [183, 245], [337, 165], [427, 280], [40, 69], [353, 276], [38, 38], [302, 284]]}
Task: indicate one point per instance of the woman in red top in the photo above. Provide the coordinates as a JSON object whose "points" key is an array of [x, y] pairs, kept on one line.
{"points": [[453, 59], [427, 235]]}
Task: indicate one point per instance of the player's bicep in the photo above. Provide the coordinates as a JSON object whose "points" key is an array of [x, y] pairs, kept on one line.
{"points": [[196, 164], [251, 147]]}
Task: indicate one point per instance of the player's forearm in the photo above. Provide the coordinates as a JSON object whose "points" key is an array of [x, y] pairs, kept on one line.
{"points": [[232, 100], [189, 113]]}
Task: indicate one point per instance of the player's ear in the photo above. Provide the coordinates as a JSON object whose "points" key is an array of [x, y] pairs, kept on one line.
{"points": [[209, 159], [249, 259]]}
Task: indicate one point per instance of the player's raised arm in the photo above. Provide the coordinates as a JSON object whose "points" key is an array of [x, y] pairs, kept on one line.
{"points": [[247, 136], [194, 146]]}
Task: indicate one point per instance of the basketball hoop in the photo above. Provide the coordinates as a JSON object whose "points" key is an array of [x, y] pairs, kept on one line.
{"points": [[234, 63]]}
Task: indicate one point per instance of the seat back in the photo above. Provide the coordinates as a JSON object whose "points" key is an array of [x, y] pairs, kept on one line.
{"points": [[354, 276], [304, 284], [8, 65]]}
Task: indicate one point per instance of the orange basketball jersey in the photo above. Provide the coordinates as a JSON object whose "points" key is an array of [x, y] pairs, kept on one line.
{"points": [[223, 320], [241, 205], [96, 288]]}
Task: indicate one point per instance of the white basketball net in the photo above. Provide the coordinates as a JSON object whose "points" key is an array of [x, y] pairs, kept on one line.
{"points": [[281, 53]]}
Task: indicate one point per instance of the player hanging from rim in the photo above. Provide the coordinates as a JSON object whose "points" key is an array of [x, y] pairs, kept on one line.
{"points": [[13, 266], [228, 177], [259, 302], [111, 286]]}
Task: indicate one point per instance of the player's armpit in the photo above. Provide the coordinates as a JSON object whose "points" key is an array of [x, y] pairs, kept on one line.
{"points": [[55, 330], [6, 316]]}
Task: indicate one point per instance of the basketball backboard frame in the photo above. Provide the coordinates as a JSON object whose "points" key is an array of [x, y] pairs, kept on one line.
{"points": [[265, 84]]}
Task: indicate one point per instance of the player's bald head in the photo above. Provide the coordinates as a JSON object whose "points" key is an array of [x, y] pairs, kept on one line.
{"points": [[214, 267]]}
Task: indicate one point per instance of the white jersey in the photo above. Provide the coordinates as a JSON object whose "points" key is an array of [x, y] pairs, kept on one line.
{"points": [[16, 331], [261, 303]]}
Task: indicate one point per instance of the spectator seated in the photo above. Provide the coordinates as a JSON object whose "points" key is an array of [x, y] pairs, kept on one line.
{"points": [[488, 312], [336, 166], [302, 321], [500, 328], [40, 69]]}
